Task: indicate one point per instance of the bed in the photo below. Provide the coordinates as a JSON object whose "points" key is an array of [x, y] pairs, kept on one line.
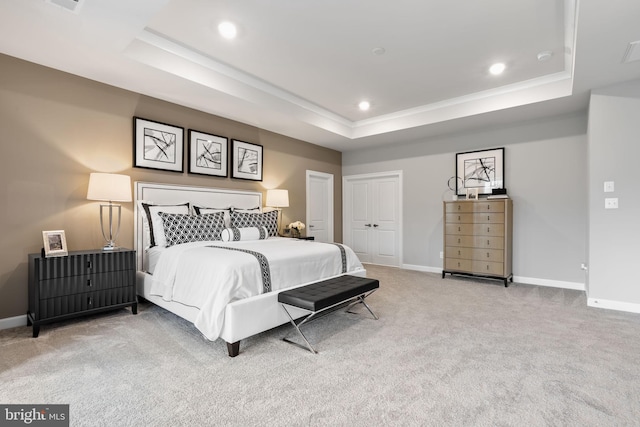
{"points": [[220, 286]]}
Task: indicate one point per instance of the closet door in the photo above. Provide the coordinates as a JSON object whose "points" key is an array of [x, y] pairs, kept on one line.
{"points": [[372, 218]]}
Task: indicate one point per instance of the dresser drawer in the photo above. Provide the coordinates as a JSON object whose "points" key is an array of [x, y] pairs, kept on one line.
{"points": [[475, 218], [469, 206], [490, 268], [475, 229], [85, 283], [487, 242], [69, 304], [496, 255]]}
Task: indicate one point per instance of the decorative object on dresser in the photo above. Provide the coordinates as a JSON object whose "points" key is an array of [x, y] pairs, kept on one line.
{"points": [[109, 187], [246, 160], [55, 243], [81, 283], [208, 154], [278, 199], [477, 238], [482, 170], [157, 145]]}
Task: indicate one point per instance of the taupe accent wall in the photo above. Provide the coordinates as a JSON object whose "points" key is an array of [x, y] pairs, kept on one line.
{"points": [[57, 128]]}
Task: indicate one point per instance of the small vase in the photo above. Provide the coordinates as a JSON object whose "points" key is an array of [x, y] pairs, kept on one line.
{"points": [[295, 233]]}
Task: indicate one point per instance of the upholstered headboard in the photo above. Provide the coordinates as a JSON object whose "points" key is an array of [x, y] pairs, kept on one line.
{"points": [[172, 193]]}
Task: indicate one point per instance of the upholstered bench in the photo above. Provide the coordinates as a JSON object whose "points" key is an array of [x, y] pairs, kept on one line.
{"points": [[325, 295]]}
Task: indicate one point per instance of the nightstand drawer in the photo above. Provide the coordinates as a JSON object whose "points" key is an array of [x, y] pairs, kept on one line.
{"points": [[64, 305], [85, 283], [84, 263]]}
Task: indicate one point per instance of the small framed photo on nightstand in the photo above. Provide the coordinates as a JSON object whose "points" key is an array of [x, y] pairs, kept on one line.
{"points": [[55, 243]]}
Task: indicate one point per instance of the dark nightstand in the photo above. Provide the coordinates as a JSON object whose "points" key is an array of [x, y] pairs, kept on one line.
{"points": [[305, 238], [81, 283]]}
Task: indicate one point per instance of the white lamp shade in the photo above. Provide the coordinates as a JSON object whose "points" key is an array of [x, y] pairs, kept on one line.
{"points": [[278, 198], [109, 187]]}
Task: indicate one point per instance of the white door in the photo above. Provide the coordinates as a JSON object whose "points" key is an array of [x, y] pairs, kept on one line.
{"points": [[320, 206], [373, 217]]}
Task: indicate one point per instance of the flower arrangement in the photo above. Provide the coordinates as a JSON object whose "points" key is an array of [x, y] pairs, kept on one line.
{"points": [[296, 228]]}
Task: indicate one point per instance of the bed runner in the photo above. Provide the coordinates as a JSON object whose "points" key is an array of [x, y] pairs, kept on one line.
{"points": [[262, 260], [264, 263]]}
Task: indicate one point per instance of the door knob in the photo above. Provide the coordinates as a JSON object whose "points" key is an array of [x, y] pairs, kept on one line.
{"points": [[375, 225], [367, 225]]}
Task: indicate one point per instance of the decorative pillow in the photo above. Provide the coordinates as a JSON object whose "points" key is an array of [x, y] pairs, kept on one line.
{"points": [[248, 233], [201, 210], [266, 219], [184, 228], [153, 226]]}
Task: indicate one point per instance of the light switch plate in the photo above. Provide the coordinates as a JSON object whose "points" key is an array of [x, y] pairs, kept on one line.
{"points": [[609, 186]]}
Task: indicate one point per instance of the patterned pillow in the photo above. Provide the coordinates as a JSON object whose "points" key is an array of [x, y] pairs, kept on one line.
{"points": [[265, 219], [181, 228]]}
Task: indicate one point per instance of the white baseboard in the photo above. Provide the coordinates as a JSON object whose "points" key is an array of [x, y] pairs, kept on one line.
{"points": [[519, 279], [550, 283], [13, 322], [613, 305], [422, 268]]}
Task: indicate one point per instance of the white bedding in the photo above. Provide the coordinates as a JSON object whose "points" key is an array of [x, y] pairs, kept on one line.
{"points": [[208, 278]]}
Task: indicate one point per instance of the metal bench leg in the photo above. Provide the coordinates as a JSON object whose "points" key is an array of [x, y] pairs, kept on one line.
{"points": [[297, 326], [360, 300]]}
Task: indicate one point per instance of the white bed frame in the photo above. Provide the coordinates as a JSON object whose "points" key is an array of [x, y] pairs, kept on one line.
{"points": [[242, 318]]}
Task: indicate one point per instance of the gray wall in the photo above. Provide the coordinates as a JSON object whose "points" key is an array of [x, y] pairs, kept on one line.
{"points": [[545, 174], [614, 152]]}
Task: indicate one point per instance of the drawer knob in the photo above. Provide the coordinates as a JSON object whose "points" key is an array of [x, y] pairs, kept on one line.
{"points": [[458, 217], [458, 252], [458, 228], [89, 283], [488, 217], [488, 229], [488, 242], [487, 254], [458, 240], [89, 264], [89, 301]]}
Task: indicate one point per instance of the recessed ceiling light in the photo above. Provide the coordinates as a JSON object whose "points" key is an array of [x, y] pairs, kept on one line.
{"points": [[497, 68], [227, 30], [378, 51], [364, 105]]}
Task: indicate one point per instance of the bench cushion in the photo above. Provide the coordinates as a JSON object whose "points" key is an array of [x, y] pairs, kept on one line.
{"points": [[320, 295]]}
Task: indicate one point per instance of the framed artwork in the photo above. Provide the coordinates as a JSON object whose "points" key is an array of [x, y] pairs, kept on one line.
{"points": [[157, 145], [480, 171], [208, 154], [246, 160], [55, 243]]}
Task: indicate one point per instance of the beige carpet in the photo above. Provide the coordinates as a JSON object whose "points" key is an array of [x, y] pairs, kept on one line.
{"points": [[444, 352]]}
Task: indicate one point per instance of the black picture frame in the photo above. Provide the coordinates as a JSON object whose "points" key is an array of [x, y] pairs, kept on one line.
{"points": [[246, 160], [158, 145], [482, 170], [208, 154]]}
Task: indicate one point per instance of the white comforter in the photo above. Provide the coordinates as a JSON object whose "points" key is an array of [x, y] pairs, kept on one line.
{"points": [[209, 278]]}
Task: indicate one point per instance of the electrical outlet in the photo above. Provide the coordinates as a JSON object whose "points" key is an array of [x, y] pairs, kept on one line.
{"points": [[441, 255], [611, 203]]}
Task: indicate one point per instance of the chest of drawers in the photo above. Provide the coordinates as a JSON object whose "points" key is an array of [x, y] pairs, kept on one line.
{"points": [[81, 283], [477, 238]]}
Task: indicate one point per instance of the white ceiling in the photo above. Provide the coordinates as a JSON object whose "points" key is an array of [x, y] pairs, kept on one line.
{"points": [[300, 68]]}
